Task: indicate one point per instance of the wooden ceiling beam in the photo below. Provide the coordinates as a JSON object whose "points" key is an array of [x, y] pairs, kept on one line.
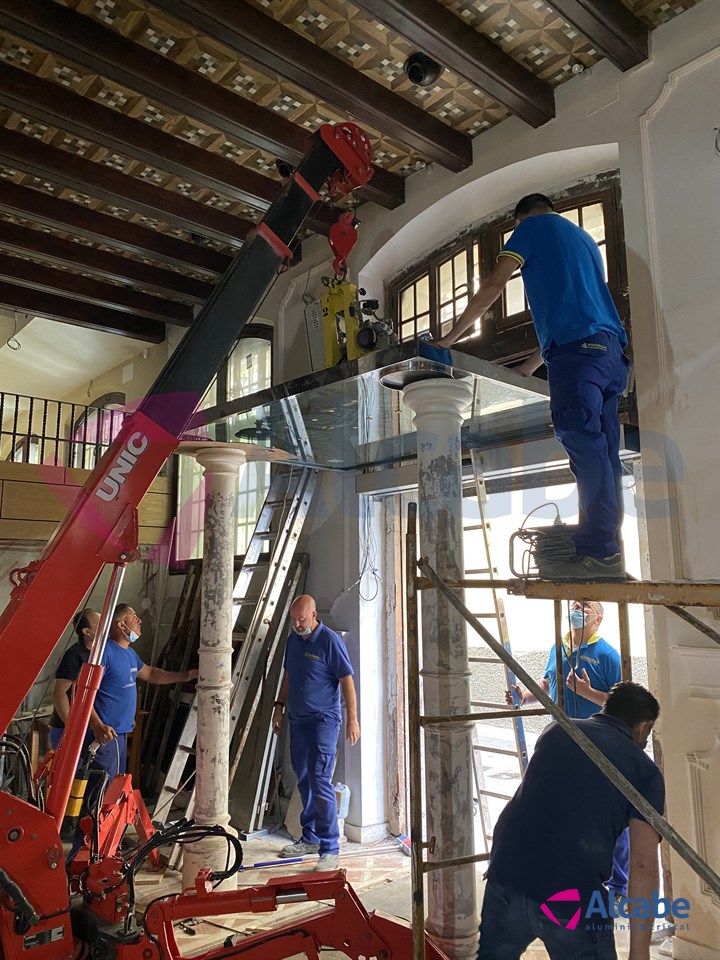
{"points": [[38, 302], [434, 30], [80, 287], [55, 106], [102, 228], [81, 40], [252, 34], [613, 30], [127, 270], [98, 180]]}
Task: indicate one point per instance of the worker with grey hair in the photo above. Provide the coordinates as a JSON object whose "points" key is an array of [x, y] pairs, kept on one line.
{"points": [[590, 667]]}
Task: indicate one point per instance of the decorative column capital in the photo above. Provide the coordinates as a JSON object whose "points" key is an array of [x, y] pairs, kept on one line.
{"points": [[436, 400], [221, 459]]}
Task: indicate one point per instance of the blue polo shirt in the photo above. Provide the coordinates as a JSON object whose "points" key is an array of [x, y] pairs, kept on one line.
{"points": [[315, 666], [564, 280], [559, 830], [117, 696], [604, 670]]}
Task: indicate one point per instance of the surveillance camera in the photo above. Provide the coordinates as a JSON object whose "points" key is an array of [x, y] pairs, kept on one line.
{"points": [[422, 70], [284, 168]]}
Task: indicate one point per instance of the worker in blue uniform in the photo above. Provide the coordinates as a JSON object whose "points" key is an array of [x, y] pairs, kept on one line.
{"points": [[317, 669], [581, 343], [590, 668], [553, 843]]}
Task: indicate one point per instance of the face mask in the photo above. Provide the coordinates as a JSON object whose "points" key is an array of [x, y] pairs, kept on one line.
{"points": [[577, 619], [132, 636], [304, 633]]}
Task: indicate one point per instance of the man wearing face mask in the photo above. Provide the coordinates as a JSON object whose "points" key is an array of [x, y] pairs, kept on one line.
{"points": [[317, 668], [116, 699], [591, 667], [558, 832]]}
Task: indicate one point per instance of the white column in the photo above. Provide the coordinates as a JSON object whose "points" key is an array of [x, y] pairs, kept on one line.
{"points": [[439, 407], [222, 467]]}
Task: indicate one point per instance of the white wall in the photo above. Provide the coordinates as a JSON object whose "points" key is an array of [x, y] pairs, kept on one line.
{"points": [[656, 123]]}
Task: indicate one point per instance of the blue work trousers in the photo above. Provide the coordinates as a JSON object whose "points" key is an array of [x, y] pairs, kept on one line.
{"points": [[313, 747], [586, 377], [110, 758], [511, 921]]}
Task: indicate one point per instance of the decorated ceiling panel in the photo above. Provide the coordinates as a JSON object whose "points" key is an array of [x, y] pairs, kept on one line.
{"points": [[410, 124]]}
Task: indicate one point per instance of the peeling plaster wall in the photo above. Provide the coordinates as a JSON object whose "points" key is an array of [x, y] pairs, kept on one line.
{"points": [[656, 124]]}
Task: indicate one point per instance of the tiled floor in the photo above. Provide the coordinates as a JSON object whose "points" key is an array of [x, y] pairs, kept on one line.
{"points": [[379, 873]]}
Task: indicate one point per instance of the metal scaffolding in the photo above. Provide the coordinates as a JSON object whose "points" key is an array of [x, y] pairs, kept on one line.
{"points": [[670, 594]]}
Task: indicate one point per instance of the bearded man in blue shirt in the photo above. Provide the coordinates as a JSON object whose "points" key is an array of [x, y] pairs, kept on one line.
{"points": [[317, 668], [581, 343]]}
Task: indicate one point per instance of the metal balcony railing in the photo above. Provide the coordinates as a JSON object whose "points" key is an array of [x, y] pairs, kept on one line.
{"points": [[56, 433]]}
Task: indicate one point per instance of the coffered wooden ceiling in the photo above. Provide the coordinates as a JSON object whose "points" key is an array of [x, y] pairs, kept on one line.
{"points": [[138, 140]]}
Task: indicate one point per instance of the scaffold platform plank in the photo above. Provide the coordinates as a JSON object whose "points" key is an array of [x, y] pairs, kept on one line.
{"points": [[683, 593]]}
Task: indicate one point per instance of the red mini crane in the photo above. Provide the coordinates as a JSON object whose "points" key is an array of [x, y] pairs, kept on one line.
{"points": [[36, 919]]}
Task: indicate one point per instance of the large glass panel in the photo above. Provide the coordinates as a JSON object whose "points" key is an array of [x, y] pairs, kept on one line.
{"points": [[357, 421], [572, 215]]}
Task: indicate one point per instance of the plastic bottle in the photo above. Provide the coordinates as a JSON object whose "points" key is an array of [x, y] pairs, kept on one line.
{"points": [[342, 798]]}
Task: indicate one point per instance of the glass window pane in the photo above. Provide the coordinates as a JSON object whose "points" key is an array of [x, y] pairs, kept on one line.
{"points": [[447, 312], [407, 331], [460, 305], [460, 270], [514, 296], [594, 222], [572, 215], [422, 294], [423, 323], [476, 268], [210, 398], [603, 254], [506, 236], [445, 280], [407, 303], [249, 367]]}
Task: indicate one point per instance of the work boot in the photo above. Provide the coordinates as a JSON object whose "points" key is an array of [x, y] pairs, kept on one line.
{"points": [[300, 848], [328, 861], [585, 568]]}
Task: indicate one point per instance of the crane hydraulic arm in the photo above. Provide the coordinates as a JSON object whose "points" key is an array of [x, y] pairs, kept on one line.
{"points": [[95, 530]]}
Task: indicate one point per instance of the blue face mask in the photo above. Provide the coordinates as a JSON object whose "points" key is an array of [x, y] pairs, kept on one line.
{"points": [[304, 633], [577, 619], [132, 636]]}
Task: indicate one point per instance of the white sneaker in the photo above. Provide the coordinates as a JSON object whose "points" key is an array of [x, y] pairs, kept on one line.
{"points": [[300, 848], [328, 861]]}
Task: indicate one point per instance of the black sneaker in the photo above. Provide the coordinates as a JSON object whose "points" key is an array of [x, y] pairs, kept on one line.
{"points": [[585, 568]]}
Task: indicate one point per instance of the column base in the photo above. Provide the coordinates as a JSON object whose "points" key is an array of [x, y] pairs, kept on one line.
{"points": [[457, 948], [210, 853]]}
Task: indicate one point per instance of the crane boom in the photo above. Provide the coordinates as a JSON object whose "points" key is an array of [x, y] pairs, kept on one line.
{"points": [[94, 531]]}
